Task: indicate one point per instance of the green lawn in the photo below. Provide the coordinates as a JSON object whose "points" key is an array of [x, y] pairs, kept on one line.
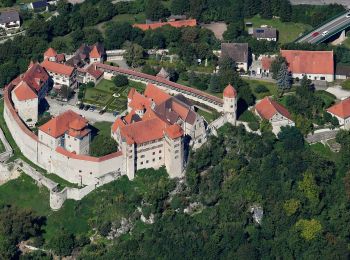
{"points": [[272, 87], [209, 117], [288, 32], [248, 116], [2, 147], [323, 151], [103, 127], [106, 85]]}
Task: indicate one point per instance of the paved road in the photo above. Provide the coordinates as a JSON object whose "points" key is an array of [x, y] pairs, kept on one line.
{"points": [[331, 27], [320, 2]]}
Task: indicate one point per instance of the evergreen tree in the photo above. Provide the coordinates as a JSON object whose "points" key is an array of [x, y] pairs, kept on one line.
{"points": [[276, 65], [251, 7], [285, 11], [284, 78], [214, 85], [179, 6], [266, 9]]}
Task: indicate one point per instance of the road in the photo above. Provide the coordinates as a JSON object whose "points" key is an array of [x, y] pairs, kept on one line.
{"points": [[320, 2], [331, 27]]}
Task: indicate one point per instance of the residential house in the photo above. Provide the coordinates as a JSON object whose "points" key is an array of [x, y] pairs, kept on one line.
{"points": [[316, 65], [268, 34], [341, 111], [10, 20], [61, 74], [238, 52], [342, 72], [39, 6], [89, 74], [275, 113], [69, 130], [87, 54]]}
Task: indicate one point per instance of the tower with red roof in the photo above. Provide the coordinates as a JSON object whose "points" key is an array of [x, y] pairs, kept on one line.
{"points": [[230, 103]]}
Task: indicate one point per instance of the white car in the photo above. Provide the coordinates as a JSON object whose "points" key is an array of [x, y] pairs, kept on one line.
{"points": [[324, 33], [347, 15]]}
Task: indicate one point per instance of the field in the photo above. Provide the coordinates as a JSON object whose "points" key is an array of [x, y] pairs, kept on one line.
{"points": [[102, 95], [288, 32]]}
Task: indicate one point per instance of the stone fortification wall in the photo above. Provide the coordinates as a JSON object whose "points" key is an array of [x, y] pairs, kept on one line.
{"points": [[80, 169]]}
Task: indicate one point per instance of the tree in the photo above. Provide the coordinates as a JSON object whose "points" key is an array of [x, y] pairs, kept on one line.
{"points": [[155, 10], [120, 81], [102, 145], [62, 243], [291, 206], [291, 138], [266, 9], [233, 31], [179, 6], [215, 85], [134, 55], [265, 126], [309, 229], [284, 78], [276, 66], [285, 11]]}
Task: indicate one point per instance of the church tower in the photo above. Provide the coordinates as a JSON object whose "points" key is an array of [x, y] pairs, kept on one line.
{"points": [[230, 104]]}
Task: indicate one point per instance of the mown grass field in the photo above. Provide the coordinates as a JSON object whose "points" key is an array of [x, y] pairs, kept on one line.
{"points": [[288, 32], [272, 88]]}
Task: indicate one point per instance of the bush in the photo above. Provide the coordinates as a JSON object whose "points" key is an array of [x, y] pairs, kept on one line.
{"points": [[261, 89], [105, 228], [346, 84], [103, 145], [254, 125], [120, 81]]}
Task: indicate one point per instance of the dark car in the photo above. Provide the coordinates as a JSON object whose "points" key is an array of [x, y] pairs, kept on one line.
{"points": [[86, 107], [81, 106], [102, 112]]}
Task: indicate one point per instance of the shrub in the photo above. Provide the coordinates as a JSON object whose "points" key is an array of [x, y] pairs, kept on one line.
{"points": [[254, 125], [120, 81], [261, 89], [105, 228]]}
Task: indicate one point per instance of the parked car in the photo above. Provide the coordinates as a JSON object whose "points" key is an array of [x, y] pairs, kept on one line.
{"points": [[81, 106], [92, 108], [101, 112], [86, 108], [115, 113], [348, 15], [324, 33], [315, 34]]}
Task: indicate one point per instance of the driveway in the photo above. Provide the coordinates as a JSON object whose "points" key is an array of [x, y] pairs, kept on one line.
{"points": [[57, 108], [338, 92]]}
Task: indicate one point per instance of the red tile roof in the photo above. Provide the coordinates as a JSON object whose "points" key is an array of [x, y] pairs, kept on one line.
{"points": [[177, 24], [266, 63], [138, 101], [95, 53], [156, 94], [60, 57], [174, 131], [341, 109], [267, 108], [50, 52], [83, 157], [58, 125], [309, 62], [24, 92], [230, 92], [35, 76], [57, 68], [94, 72]]}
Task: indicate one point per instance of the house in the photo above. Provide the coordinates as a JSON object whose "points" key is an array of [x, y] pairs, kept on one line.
{"points": [[341, 111], [10, 20], [39, 6], [268, 34], [30, 90], [176, 24], [262, 65], [238, 52], [69, 130], [154, 131], [87, 54], [89, 74], [316, 65], [342, 72], [274, 112], [60, 73]]}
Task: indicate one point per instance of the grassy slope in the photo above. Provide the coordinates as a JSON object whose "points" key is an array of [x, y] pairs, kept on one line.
{"points": [[288, 32], [269, 85]]}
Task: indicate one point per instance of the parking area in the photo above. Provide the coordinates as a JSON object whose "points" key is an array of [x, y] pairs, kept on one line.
{"points": [[57, 107]]}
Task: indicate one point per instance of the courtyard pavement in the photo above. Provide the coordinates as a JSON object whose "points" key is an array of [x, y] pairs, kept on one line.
{"points": [[338, 92], [57, 108]]}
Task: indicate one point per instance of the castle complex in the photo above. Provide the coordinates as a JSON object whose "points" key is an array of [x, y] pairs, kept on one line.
{"points": [[161, 124]]}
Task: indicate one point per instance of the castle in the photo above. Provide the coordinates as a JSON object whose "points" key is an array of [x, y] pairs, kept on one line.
{"points": [[160, 126]]}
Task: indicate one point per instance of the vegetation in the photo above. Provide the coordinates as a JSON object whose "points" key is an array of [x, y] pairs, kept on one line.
{"points": [[346, 84], [102, 145]]}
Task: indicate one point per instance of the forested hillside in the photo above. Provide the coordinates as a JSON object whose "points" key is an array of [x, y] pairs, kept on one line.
{"points": [[304, 198]]}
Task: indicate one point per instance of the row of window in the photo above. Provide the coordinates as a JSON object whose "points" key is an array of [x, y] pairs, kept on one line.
{"points": [[153, 160]]}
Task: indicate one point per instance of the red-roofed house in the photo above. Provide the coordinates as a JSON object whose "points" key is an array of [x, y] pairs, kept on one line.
{"points": [[68, 130], [26, 102], [274, 112], [89, 74], [341, 111], [177, 24], [61, 74], [316, 65]]}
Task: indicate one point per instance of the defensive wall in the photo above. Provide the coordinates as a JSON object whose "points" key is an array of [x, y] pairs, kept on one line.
{"points": [[167, 85], [79, 169]]}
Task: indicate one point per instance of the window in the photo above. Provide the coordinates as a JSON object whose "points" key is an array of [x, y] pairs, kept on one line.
{"points": [[146, 161], [176, 156], [153, 153], [141, 163], [160, 151], [142, 156], [160, 158], [176, 151], [154, 160]]}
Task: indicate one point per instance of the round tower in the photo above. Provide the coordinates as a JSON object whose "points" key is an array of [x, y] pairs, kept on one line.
{"points": [[230, 103]]}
